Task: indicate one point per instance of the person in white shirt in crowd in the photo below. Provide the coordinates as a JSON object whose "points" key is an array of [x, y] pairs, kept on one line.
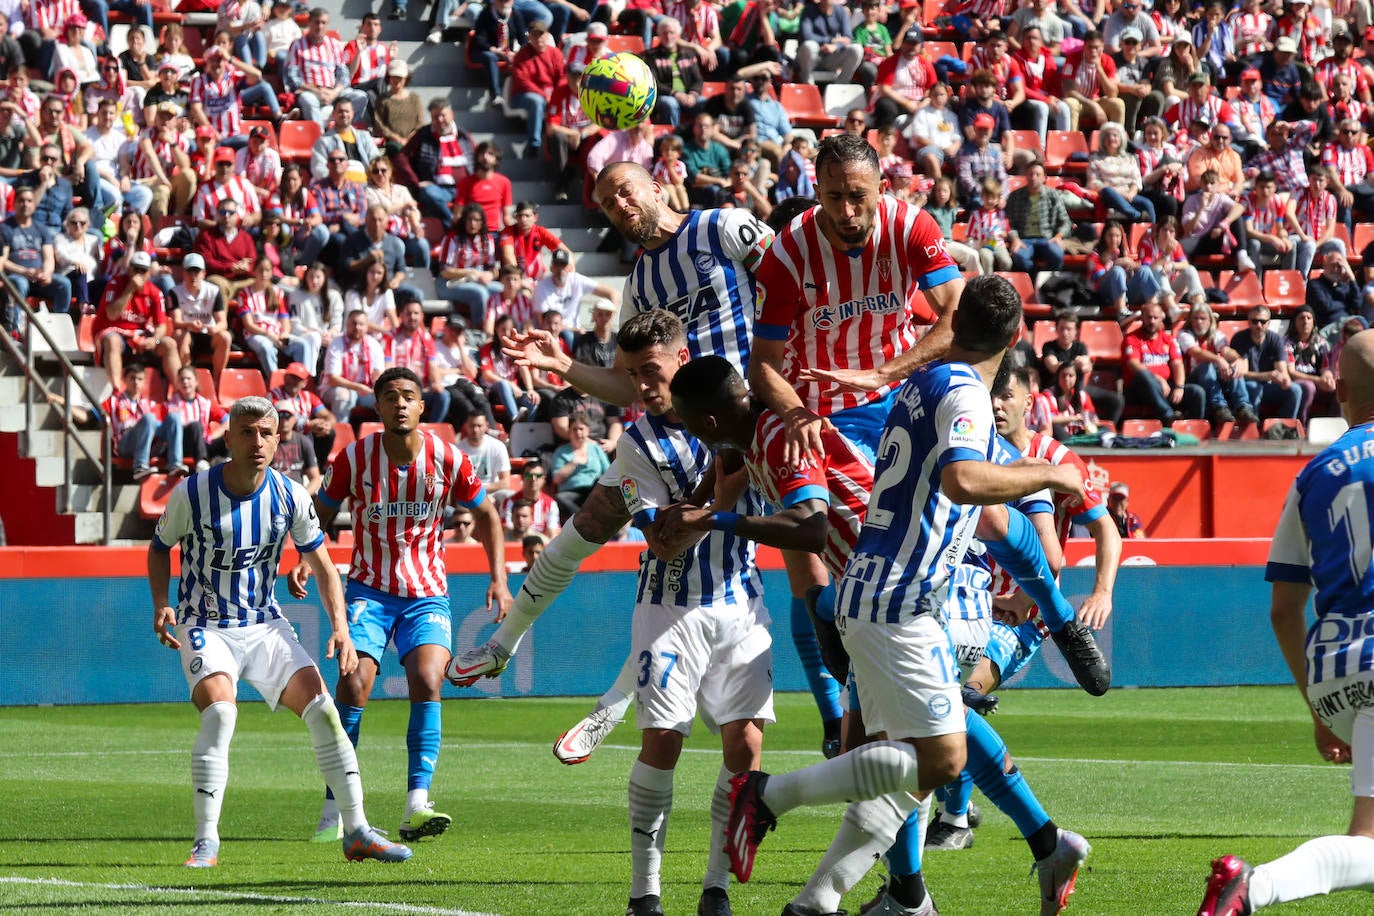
{"points": [[281, 30], [107, 138], [199, 320], [76, 254], [317, 308], [489, 456], [564, 289]]}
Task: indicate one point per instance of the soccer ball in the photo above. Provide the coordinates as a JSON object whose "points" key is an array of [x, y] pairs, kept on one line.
{"points": [[618, 92]]}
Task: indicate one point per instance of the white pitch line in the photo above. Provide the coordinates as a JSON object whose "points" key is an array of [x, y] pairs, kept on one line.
{"points": [[244, 895], [524, 745]]}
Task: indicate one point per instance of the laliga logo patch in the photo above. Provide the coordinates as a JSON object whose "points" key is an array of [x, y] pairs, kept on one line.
{"points": [[328, 477], [196, 664], [939, 706], [963, 426], [705, 263], [630, 491]]}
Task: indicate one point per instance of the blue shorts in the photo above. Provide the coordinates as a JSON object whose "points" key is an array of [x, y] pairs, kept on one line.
{"points": [[1012, 648], [376, 618], [863, 425]]}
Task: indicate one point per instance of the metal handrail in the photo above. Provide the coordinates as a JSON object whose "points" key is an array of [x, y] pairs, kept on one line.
{"points": [[70, 431]]}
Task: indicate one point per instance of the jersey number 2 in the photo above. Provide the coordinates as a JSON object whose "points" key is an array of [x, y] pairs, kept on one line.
{"points": [[896, 451]]}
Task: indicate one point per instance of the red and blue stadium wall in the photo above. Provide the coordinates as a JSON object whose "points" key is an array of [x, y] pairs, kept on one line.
{"points": [[76, 625]]}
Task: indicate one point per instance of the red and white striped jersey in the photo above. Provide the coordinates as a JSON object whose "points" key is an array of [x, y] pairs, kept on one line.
{"points": [[1065, 514], [1351, 165], [267, 317], [50, 14], [986, 226], [521, 308], [976, 9], [668, 173], [1249, 31], [376, 57], [290, 208], [697, 25], [163, 150], [398, 512], [1005, 71], [1310, 35], [1340, 109], [304, 404], [1212, 109], [841, 309], [1315, 212], [1327, 70], [1254, 116], [197, 410], [318, 62], [355, 360], [220, 100], [1149, 250], [263, 170], [473, 252], [545, 519], [843, 480], [122, 411], [1265, 217], [411, 351], [236, 188]]}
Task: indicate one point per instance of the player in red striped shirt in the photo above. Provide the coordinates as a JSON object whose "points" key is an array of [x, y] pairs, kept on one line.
{"points": [[840, 301], [399, 483]]}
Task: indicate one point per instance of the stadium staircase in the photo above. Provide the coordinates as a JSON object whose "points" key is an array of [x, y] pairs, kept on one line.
{"points": [[43, 505]]}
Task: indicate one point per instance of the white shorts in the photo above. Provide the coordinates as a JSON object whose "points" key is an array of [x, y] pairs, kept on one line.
{"points": [[906, 674], [970, 641], [266, 655], [718, 660], [1346, 705]]}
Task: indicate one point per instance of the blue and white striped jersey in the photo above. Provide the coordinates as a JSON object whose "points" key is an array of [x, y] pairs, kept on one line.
{"points": [[1323, 538], [704, 276], [656, 464], [230, 545], [914, 535]]}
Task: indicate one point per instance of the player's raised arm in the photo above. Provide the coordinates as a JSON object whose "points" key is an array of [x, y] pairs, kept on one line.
{"points": [[772, 388], [489, 532], [340, 644], [538, 349], [803, 526], [982, 483]]}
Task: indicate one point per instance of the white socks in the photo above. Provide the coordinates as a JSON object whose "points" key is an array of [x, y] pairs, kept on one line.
{"points": [[651, 798], [336, 758], [210, 766], [866, 832], [415, 800], [717, 862], [868, 771], [618, 697], [550, 575], [1320, 866]]}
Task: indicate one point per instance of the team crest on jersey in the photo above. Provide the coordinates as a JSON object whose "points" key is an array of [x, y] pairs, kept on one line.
{"points": [[431, 486], [705, 263], [884, 269], [279, 526], [939, 706], [196, 664]]}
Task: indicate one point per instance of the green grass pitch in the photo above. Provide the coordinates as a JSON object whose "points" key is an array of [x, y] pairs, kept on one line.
{"points": [[95, 810]]}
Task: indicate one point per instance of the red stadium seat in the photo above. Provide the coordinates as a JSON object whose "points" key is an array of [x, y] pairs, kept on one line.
{"points": [[1042, 332], [1243, 289], [442, 430], [1290, 422], [938, 49], [804, 106], [153, 493], [297, 139], [709, 89], [1200, 428], [1103, 340], [1232, 328], [1059, 146], [154, 385], [367, 429], [1025, 286], [1028, 139], [343, 437], [1140, 427], [240, 383], [618, 43], [271, 131], [206, 381], [1284, 290]]}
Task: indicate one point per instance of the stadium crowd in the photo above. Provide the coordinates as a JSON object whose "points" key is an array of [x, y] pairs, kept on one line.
{"points": [[265, 193]]}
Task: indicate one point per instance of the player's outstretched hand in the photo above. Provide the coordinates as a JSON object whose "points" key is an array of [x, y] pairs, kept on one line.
{"points": [[845, 379], [536, 349], [803, 434], [1331, 748], [1065, 478], [340, 646], [1096, 610], [682, 521], [164, 618], [296, 579], [499, 597]]}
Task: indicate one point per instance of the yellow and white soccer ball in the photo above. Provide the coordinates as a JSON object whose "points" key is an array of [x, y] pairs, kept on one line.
{"points": [[618, 92]]}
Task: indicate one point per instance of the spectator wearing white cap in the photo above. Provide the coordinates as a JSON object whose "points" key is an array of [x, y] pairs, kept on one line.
{"points": [[1128, 524], [198, 317], [564, 290], [295, 455], [1130, 14], [398, 112]]}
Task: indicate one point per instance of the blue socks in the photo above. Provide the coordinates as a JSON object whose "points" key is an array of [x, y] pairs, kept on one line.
{"points": [[1008, 791], [1022, 556], [351, 717], [422, 741], [955, 796], [904, 855], [824, 688]]}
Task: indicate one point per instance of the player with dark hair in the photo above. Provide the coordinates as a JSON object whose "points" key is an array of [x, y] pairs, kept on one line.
{"points": [[398, 483], [935, 455]]}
